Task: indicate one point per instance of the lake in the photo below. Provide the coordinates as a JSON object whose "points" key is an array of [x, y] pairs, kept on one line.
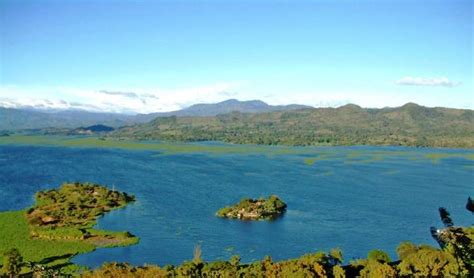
{"points": [[355, 198]]}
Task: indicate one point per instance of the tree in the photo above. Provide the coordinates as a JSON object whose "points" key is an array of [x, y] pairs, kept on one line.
{"points": [[470, 205], [338, 272], [378, 255], [445, 217], [375, 268], [405, 249], [335, 256], [12, 261], [235, 260], [427, 261]]}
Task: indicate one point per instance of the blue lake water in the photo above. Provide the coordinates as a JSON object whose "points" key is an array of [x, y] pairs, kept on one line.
{"points": [[346, 200]]}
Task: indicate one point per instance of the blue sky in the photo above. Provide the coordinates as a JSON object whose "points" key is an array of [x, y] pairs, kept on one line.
{"points": [[171, 54]]}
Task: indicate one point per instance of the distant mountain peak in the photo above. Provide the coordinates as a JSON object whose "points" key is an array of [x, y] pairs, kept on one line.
{"points": [[350, 106], [233, 101], [411, 105], [230, 105], [230, 100]]}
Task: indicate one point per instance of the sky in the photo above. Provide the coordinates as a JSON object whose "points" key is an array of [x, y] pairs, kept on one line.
{"points": [[155, 56]]}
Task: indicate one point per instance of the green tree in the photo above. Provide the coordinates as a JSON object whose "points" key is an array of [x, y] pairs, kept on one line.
{"points": [[427, 261], [12, 261], [338, 272], [336, 255], [445, 217], [235, 260], [405, 249], [378, 255], [376, 268], [470, 205]]}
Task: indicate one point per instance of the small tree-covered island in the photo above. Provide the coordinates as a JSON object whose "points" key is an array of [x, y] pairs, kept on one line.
{"points": [[250, 209], [60, 224]]}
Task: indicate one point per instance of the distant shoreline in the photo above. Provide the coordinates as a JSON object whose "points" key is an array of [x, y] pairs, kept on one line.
{"points": [[154, 144]]}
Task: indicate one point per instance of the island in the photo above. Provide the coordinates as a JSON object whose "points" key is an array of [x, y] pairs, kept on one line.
{"points": [[250, 209], [60, 224]]}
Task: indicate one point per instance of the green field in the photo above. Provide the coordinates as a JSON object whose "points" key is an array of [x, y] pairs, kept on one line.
{"points": [[15, 233]]}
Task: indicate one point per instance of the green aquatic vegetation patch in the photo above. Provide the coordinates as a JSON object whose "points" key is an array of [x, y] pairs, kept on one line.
{"points": [[437, 157], [312, 154], [322, 156], [309, 161], [167, 148], [391, 172]]}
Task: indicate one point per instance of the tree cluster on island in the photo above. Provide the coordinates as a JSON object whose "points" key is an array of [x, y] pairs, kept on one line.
{"points": [[75, 205], [254, 209]]}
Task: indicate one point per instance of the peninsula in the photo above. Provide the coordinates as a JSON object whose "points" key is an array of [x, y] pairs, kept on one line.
{"points": [[60, 224]]}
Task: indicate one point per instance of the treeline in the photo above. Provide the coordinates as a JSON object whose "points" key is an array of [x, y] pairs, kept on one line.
{"points": [[409, 125], [415, 261]]}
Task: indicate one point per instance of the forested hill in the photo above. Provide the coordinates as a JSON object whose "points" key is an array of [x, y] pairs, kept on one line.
{"points": [[15, 119], [408, 125]]}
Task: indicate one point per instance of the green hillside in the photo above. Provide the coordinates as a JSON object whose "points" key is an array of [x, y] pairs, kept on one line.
{"points": [[409, 125]]}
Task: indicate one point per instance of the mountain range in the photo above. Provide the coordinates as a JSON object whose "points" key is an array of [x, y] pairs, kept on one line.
{"points": [[255, 122], [13, 119], [408, 125]]}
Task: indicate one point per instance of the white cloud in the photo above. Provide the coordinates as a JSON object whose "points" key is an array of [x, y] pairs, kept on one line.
{"points": [[423, 81], [122, 100], [125, 94], [149, 100]]}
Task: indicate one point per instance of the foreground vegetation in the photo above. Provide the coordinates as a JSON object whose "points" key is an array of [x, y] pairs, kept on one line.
{"points": [[409, 125], [60, 223], [250, 209], [416, 261], [454, 258]]}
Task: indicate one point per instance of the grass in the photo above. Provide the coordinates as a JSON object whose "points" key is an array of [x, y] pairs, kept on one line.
{"points": [[15, 233]]}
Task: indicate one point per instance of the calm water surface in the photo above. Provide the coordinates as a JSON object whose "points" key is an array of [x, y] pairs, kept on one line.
{"points": [[350, 201]]}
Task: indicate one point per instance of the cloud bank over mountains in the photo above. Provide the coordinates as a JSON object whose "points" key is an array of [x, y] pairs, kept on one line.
{"points": [[151, 100], [129, 101], [422, 81]]}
